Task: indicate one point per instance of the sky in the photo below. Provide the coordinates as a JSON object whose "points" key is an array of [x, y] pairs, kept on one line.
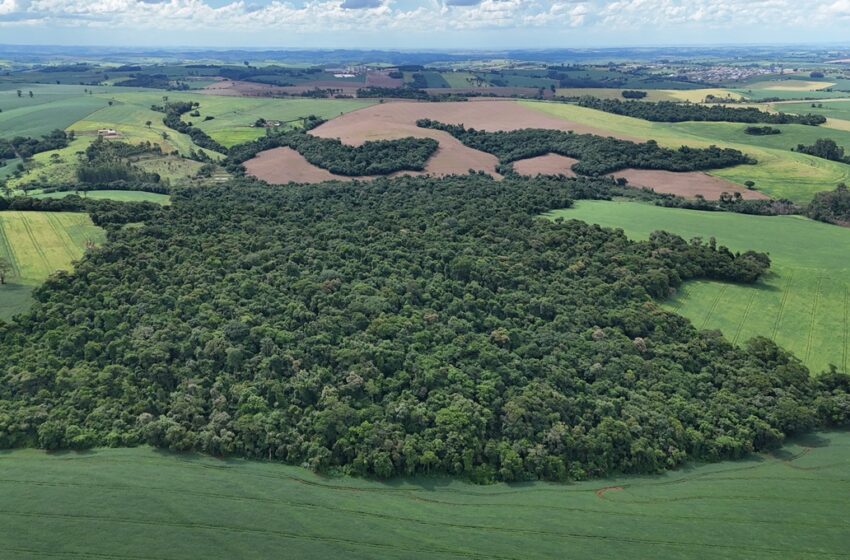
{"points": [[417, 24]]}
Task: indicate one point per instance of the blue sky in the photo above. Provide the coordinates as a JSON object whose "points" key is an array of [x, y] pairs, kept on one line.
{"points": [[421, 23]]}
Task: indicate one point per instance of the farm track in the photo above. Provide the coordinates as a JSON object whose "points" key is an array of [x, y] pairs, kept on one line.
{"points": [[714, 306], [745, 316], [7, 247], [785, 294], [810, 337], [36, 245], [61, 233]]}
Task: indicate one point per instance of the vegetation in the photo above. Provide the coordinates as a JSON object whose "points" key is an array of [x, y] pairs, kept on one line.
{"points": [[141, 503], [802, 305], [20, 147], [599, 155], [633, 94], [831, 206], [403, 326], [106, 162], [172, 120], [825, 148], [380, 157], [762, 130], [666, 111], [780, 172]]}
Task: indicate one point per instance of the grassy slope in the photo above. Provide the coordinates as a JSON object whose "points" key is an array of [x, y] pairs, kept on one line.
{"points": [[121, 196], [141, 503], [38, 244], [779, 172], [693, 95], [803, 304]]}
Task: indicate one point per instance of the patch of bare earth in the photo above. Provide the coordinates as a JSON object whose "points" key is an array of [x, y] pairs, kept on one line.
{"points": [[550, 164], [687, 184], [382, 78], [391, 121], [285, 165]]}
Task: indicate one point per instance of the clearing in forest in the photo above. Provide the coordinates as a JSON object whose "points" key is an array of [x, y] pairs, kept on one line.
{"points": [[142, 503], [803, 304], [38, 244]]}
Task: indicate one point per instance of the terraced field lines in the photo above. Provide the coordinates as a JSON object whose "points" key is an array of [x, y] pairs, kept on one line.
{"points": [[814, 318], [713, 306], [6, 248], [785, 292]]}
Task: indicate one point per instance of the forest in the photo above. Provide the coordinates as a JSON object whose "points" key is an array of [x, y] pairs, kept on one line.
{"points": [[831, 206], [380, 157], [106, 162], [668, 111], [825, 148], [173, 120], [21, 147], [598, 155], [402, 326]]}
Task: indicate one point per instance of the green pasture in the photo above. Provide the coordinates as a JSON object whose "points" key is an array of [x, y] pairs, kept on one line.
{"points": [[38, 244], [464, 80], [55, 166], [830, 109], [804, 302], [144, 503], [780, 172], [120, 196], [39, 118]]}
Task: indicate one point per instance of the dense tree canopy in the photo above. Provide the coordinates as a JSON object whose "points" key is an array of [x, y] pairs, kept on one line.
{"points": [[668, 111], [380, 157], [599, 155], [173, 120], [831, 206], [400, 326], [825, 148], [22, 147]]}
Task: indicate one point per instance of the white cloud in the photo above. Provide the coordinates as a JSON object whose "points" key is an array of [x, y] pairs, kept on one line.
{"points": [[317, 16]]}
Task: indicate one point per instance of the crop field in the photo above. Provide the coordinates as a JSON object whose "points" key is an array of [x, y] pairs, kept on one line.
{"points": [[40, 118], [830, 109], [803, 304], [692, 95], [142, 503], [120, 196], [38, 244], [780, 172]]}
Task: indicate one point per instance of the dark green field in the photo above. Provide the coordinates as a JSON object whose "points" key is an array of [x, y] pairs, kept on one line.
{"points": [[141, 503]]}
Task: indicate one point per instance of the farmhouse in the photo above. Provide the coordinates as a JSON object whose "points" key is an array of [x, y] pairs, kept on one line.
{"points": [[108, 132]]}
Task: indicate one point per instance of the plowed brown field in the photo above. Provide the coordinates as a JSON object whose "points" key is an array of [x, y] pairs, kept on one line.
{"points": [[687, 184]]}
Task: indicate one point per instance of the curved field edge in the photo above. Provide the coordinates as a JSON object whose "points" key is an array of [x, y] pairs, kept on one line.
{"points": [[779, 172], [144, 503], [802, 304]]}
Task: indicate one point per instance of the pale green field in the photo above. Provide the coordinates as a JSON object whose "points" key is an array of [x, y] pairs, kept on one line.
{"points": [[147, 504], [803, 304], [120, 196], [38, 244], [692, 95], [779, 173]]}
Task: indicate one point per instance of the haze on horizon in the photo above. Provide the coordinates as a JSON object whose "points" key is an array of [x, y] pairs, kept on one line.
{"points": [[411, 24]]}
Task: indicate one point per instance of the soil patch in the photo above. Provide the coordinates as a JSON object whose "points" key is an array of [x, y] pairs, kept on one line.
{"points": [[285, 165], [601, 492], [688, 184], [390, 121], [550, 164]]}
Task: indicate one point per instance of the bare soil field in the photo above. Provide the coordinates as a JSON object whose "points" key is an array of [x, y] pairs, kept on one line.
{"points": [[285, 165], [550, 164], [390, 121], [251, 89], [687, 184], [381, 78]]}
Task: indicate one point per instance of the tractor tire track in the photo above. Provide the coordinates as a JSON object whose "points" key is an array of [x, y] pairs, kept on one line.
{"points": [[810, 338], [744, 317], [714, 306], [785, 294]]}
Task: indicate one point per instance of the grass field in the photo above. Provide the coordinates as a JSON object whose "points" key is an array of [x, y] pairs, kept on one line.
{"points": [[692, 95], [121, 196], [142, 503], [38, 244], [803, 304], [780, 172]]}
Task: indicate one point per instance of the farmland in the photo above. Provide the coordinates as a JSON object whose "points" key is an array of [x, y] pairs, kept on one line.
{"points": [[141, 503], [779, 173], [38, 244], [120, 196], [803, 304]]}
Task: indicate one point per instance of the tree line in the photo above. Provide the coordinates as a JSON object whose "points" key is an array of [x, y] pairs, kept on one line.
{"points": [[668, 111], [23, 147], [405, 326], [380, 157], [598, 155], [173, 112], [825, 148]]}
